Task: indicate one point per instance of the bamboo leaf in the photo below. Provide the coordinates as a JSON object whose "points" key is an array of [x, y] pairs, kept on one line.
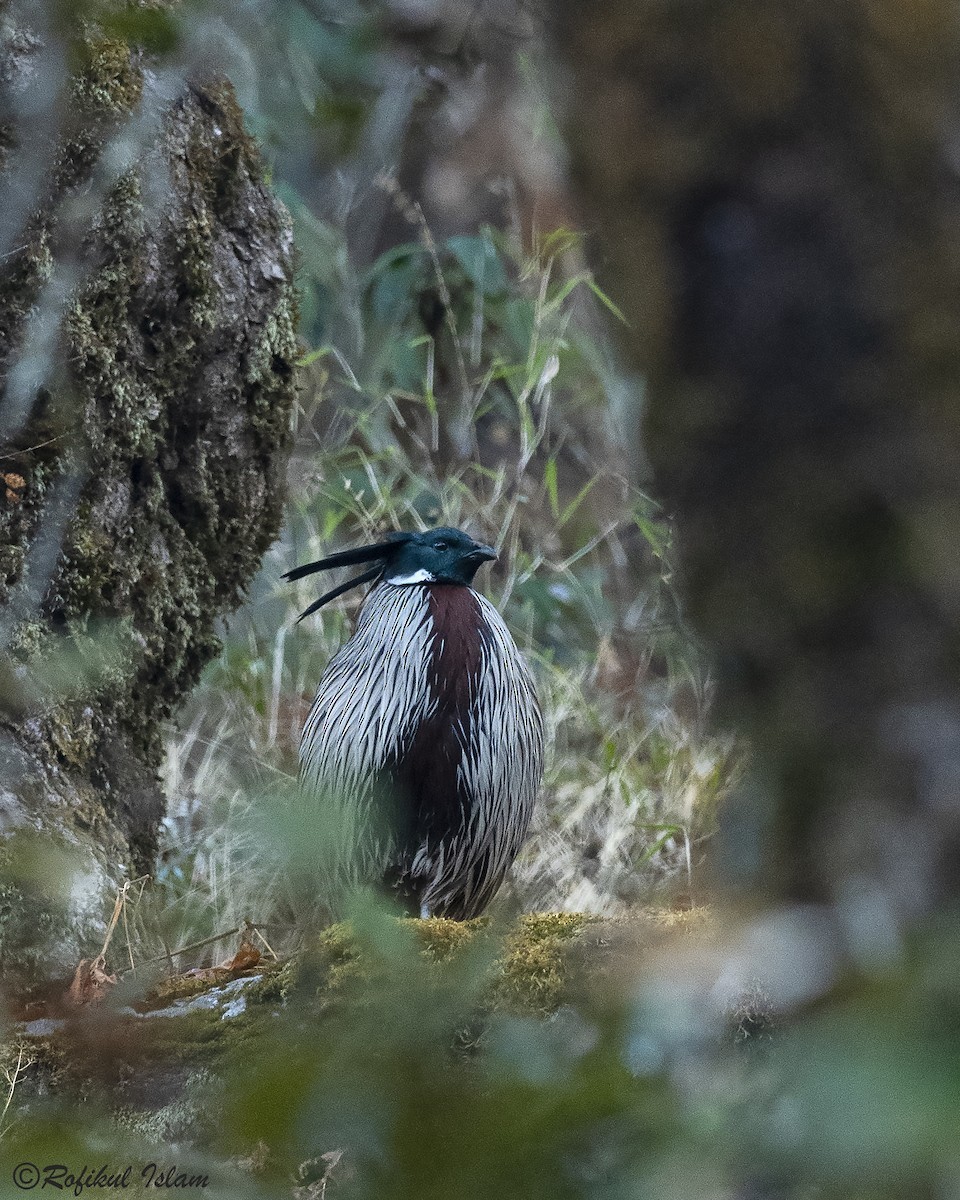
{"points": [[605, 300], [550, 482], [577, 500], [313, 356]]}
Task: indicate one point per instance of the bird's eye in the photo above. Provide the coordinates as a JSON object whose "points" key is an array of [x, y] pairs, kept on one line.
{"points": [[441, 545]]}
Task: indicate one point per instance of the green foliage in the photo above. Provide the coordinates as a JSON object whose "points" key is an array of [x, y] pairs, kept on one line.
{"points": [[457, 411]]}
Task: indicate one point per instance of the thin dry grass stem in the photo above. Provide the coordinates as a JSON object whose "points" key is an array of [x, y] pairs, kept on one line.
{"points": [[476, 335], [431, 397], [119, 910], [427, 239], [12, 1076], [688, 859], [248, 926], [39, 445], [587, 548], [276, 685], [126, 934], [513, 543], [482, 388], [538, 315], [541, 396], [347, 369], [16, 250], [170, 955]]}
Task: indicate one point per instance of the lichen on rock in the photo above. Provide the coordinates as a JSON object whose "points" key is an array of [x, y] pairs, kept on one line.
{"points": [[152, 454]]}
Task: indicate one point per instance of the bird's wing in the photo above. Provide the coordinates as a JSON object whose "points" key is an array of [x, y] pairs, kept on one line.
{"points": [[372, 695]]}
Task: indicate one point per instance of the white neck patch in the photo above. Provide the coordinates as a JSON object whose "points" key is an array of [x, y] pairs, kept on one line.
{"points": [[420, 576]]}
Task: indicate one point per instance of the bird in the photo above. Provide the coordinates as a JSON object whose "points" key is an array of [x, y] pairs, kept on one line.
{"points": [[425, 735]]}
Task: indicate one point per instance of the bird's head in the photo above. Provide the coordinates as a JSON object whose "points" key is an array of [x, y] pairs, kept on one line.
{"points": [[437, 556]]}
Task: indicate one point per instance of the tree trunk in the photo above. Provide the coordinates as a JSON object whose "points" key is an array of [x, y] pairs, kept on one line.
{"points": [[147, 351], [775, 188]]}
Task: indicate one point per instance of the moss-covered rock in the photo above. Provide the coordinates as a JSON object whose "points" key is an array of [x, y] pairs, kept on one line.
{"points": [[147, 436]]}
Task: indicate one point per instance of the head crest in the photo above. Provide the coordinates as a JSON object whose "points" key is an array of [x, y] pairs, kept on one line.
{"points": [[377, 552]]}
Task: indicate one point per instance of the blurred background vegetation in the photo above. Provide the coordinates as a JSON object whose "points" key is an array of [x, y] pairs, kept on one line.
{"points": [[457, 364], [457, 369]]}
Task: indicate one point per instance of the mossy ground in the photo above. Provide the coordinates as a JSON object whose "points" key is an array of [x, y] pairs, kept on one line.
{"points": [[165, 1076], [95, 1046], [528, 972]]}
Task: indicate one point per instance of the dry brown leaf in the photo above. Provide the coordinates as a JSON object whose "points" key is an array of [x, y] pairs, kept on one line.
{"points": [[91, 983], [247, 956], [15, 485]]}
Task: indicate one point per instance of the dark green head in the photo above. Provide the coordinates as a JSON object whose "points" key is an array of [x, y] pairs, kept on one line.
{"points": [[437, 556]]}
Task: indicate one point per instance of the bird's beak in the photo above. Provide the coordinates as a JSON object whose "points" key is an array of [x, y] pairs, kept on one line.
{"points": [[482, 554]]}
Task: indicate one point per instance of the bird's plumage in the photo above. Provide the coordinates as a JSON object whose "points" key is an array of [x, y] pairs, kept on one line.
{"points": [[425, 732]]}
